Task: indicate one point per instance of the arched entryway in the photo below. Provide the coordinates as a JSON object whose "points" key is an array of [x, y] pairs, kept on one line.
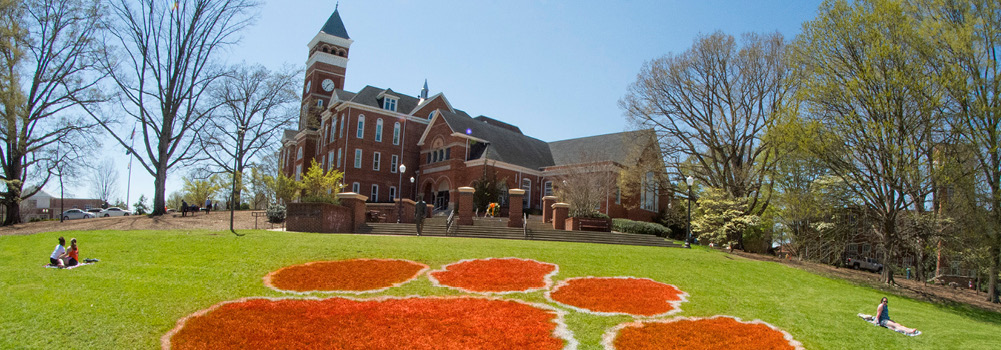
{"points": [[441, 195]]}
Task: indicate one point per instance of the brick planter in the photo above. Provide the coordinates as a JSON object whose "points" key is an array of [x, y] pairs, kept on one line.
{"points": [[589, 224], [319, 217]]}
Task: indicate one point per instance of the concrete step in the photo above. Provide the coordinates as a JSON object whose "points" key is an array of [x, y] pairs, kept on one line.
{"points": [[503, 232]]}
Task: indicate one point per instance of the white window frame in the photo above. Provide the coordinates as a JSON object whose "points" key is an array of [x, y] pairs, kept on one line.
{"points": [[547, 188], [376, 161], [378, 130], [526, 200], [319, 103], [358, 158], [389, 104], [298, 172], [360, 129], [343, 126], [339, 152], [355, 187], [375, 193], [392, 193], [330, 160], [298, 154], [396, 133], [394, 163]]}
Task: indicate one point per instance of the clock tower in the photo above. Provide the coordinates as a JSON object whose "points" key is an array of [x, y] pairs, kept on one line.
{"points": [[325, 68]]}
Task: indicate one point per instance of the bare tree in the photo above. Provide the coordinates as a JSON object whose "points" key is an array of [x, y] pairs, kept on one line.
{"points": [[586, 186], [49, 62], [104, 180], [256, 106], [166, 50], [710, 107]]}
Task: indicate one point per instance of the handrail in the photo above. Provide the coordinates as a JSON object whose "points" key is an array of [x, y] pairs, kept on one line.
{"points": [[450, 223], [524, 226]]}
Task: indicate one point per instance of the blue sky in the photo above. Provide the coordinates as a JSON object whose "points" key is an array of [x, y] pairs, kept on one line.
{"points": [[556, 69]]}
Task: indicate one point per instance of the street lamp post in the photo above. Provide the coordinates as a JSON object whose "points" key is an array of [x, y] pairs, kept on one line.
{"points": [[399, 199], [236, 164], [688, 241], [414, 180]]}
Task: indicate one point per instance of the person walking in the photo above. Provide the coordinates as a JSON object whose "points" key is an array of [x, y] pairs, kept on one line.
{"points": [[208, 205], [420, 211], [184, 208]]}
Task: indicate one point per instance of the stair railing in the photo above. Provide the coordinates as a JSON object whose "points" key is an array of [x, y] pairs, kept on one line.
{"points": [[524, 227], [450, 226]]}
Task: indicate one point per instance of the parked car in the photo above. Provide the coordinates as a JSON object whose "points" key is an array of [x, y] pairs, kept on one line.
{"points": [[98, 212], [73, 214], [115, 211], [869, 264]]}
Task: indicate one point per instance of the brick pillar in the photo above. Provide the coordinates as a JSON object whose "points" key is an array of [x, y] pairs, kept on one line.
{"points": [[465, 205], [547, 208], [560, 213], [357, 204], [514, 212], [407, 214]]}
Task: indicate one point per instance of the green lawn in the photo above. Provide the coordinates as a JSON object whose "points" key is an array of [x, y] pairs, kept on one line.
{"points": [[147, 280]]}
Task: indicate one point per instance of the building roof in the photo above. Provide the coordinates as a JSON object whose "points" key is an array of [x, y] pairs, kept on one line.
{"points": [[504, 145], [289, 135], [335, 26], [608, 147], [369, 96]]}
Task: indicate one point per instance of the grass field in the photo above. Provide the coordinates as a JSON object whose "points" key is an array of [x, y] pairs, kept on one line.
{"points": [[147, 280]]}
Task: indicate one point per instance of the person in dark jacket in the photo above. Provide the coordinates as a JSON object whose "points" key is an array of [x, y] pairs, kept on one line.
{"points": [[420, 211]]}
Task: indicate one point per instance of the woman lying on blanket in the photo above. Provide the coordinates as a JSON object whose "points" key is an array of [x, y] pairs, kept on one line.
{"points": [[883, 317], [71, 257]]}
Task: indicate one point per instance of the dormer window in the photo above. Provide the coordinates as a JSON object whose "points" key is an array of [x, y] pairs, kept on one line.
{"points": [[389, 104]]}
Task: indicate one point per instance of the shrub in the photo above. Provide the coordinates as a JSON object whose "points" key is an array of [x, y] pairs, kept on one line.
{"points": [[645, 228], [276, 213], [245, 206], [593, 215]]}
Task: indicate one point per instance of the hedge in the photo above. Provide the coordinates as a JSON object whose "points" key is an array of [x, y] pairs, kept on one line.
{"points": [[640, 227]]}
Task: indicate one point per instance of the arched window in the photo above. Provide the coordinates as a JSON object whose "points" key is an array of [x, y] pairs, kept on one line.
{"points": [[378, 130], [396, 133], [361, 127], [430, 114]]}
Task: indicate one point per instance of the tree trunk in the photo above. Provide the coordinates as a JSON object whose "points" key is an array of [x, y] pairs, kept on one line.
{"points": [[160, 188], [13, 215], [889, 233], [992, 277], [12, 200]]}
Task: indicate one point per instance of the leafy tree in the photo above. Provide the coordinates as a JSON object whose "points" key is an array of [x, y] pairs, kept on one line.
{"points": [[140, 206], [198, 190], [964, 38], [175, 200], [874, 105], [321, 187], [723, 218], [284, 188]]}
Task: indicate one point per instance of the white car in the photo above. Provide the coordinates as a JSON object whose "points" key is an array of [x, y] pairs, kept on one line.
{"points": [[115, 211], [98, 212], [76, 214]]}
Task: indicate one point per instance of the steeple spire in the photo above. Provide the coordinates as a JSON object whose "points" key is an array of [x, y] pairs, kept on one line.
{"points": [[334, 26], [424, 91]]}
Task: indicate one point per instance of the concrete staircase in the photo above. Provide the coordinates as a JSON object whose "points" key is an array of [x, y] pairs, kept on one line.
{"points": [[497, 228]]}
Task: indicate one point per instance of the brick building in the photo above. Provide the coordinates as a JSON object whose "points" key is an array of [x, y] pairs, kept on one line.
{"points": [[368, 134]]}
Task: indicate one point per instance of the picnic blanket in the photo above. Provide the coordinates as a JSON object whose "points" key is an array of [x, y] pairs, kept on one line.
{"points": [[872, 320], [69, 267]]}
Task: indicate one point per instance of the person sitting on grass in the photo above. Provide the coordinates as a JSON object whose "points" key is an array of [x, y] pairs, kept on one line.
{"points": [[58, 252], [883, 317]]}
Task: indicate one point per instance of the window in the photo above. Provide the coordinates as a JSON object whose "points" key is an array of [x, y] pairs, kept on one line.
{"points": [[526, 184], [330, 160], [298, 172], [394, 162], [396, 133], [389, 104], [431, 115], [355, 187], [378, 130], [298, 154], [341, 134], [392, 193], [339, 157], [376, 159], [319, 103], [361, 127], [375, 194], [357, 158], [649, 195], [330, 132], [547, 188]]}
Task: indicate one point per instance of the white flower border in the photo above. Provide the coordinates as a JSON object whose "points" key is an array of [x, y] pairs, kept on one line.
{"points": [[548, 279], [267, 278], [676, 304], [608, 339], [561, 331]]}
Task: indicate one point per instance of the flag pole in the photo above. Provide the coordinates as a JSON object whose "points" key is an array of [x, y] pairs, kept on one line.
{"points": [[128, 185]]}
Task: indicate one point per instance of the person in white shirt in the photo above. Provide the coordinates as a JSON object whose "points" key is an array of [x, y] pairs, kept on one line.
{"points": [[57, 253]]}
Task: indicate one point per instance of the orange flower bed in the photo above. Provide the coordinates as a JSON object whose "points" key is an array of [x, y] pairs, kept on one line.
{"points": [[706, 333], [493, 275], [356, 275], [341, 323], [618, 295]]}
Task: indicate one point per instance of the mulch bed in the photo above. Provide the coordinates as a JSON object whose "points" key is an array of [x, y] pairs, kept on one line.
{"points": [[618, 296], [495, 275], [720, 332], [341, 323], [353, 276]]}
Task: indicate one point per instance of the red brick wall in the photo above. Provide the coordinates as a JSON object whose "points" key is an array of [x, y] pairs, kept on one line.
{"points": [[319, 217]]}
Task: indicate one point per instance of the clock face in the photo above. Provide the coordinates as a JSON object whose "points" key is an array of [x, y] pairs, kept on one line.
{"points": [[328, 85], [309, 86]]}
